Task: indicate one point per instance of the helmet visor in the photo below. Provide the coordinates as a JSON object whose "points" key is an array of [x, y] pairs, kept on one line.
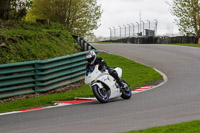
{"points": [[90, 60]]}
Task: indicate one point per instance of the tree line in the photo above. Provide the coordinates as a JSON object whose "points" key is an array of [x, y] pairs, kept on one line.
{"points": [[80, 17], [187, 13], [14, 9]]}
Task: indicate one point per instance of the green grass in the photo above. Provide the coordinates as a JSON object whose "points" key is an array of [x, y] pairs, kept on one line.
{"points": [[26, 41], [44, 100], [134, 73], [186, 127], [186, 44]]}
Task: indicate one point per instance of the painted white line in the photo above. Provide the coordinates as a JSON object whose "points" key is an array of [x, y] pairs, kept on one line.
{"points": [[61, 104], [144, 88], [140, 90], [85, 98], [165, 79], [8, 113], [76, 101]]}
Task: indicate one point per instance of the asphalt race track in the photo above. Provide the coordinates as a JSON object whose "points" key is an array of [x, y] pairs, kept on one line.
{"points": [[176, 101]]}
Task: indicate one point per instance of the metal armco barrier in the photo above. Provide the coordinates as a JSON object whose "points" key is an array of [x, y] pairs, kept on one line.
{"points": [[83, 44], [40, 76]]}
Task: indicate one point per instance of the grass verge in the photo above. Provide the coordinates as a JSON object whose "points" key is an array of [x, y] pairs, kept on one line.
{"points": [[134, 73], [186, 44], [25, 41], [186, 127]]}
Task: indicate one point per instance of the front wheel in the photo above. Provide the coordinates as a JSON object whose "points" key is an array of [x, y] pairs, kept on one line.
{"points": [[127, 93], [100, 93]]}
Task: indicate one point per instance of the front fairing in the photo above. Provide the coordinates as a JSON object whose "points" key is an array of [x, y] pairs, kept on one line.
{"points": [[92, 75], [110, 82], [119, 71]]}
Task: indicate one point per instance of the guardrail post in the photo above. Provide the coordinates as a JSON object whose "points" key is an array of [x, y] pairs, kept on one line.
{"points": [[89, 47], [85, 46], [79, 40], [82, 44]]}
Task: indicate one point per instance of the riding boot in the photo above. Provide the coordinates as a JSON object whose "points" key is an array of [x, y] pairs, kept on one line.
{"points": [[121, 84], [114, 74], [119, 81]]}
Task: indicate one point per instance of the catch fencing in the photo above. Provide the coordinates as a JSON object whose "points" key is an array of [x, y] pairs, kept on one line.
{"points": [[43, 75], [158, 40], [142, 28]]}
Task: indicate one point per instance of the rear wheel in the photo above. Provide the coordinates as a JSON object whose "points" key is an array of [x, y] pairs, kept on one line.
{"points": [[127, 93], [100, 93]]}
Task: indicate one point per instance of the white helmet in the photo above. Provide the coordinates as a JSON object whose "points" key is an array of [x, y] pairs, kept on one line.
{"points": [[91, 57]]}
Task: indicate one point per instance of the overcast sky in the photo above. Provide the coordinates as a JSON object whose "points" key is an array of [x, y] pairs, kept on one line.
{"points": [[122, 12]]}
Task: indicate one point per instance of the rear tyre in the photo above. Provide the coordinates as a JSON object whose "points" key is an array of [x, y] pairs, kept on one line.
{"points": [[127, 93], [100, 93]]}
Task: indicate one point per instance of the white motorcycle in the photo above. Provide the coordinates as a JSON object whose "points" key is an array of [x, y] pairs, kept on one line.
{"points": [[104, 86]]}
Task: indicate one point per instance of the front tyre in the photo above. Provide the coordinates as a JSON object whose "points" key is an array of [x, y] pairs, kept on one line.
{"points": [[127, 93], [100, 93]]}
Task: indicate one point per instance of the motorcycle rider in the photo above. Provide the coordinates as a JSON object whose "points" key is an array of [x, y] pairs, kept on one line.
{"points": [[94, 60]]}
